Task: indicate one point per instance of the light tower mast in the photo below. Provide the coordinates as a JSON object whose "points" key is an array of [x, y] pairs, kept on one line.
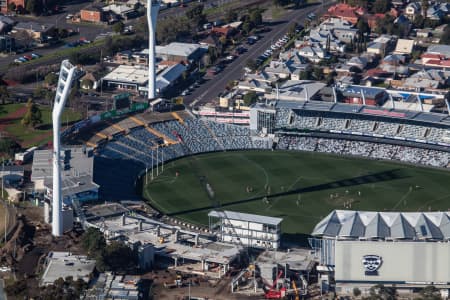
{"points": [[152, 16], [66, 76]]}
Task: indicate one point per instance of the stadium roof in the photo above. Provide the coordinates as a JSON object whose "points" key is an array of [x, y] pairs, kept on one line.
{"points": [[385, 225], [232, 215], [375, 111]]}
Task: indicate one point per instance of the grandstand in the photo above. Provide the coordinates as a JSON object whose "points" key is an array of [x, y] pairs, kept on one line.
{"points": [[126, 147]]}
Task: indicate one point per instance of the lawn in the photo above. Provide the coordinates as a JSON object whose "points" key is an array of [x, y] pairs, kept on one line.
{"points": [[300, 187], [28, 136]]}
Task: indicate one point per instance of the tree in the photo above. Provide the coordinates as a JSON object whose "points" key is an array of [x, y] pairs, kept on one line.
{"points": [[381, 292], [51, 79], [250, 98], [292, 28], [117, 257], [318, 73], [430, 293], [4, 94], [93, 241], [381, 6], [33, 6], [445, 38], [196, 15], [118, 27], [363, 27], [8, 146], [256, 16], [356, 292], [33, 116], [251, 64], [231, 16], [246, 27]]}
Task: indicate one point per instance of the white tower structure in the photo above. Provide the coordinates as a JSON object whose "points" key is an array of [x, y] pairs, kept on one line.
{"points": [[152, 16], [66, 76]]}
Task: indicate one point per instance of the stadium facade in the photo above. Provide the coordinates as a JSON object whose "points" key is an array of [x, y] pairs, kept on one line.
{"points": [[408, 251]]}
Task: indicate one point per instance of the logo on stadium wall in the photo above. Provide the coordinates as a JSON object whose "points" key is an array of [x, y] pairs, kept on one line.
{"points": [[371, 264]]}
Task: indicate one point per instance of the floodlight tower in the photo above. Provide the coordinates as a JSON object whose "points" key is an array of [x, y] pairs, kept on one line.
{"points": [[66, 77], [152, 16]]}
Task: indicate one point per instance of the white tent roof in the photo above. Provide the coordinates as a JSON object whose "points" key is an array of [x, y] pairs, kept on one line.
{"points": [[385, 225]]}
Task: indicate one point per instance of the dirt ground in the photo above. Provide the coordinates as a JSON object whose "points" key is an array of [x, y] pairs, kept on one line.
{"points": [[29, 245]]}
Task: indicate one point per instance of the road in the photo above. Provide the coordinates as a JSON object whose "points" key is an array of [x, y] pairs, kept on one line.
{"points": [[207, 92], [91, 31]]}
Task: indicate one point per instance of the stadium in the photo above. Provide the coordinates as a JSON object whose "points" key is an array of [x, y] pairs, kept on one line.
{"points": [[300, 162], [350, 145]]}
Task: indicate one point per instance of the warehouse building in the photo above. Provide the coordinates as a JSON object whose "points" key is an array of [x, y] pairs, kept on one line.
{"points": [[406, 250]]}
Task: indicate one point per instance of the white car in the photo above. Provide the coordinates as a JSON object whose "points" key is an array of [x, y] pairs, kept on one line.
{"points": [[274, 47]]}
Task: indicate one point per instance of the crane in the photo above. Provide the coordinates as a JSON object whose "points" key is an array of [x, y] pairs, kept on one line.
{"points": [[273, 293], [297, 296]]}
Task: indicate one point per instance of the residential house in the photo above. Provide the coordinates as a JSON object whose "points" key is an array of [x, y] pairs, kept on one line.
{"points": [[89, 81], [346, 12], [94, 14], [358, 61], [428, 79], [395, 64], [280, 69], [312, 53], [403, 23], [6, 24], [424, 33], [252, 84], [296, 90], [37, 31], [412, 10], [381, 45], [404, 46], [438, 11], [5, 5]]}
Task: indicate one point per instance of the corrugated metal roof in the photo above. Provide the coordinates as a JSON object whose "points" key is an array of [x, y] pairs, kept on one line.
{"points": [[232, 215], [385, 225]]}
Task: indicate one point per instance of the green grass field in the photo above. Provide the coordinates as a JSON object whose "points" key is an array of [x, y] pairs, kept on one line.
{"points": [[303, 187], [28, 136]]}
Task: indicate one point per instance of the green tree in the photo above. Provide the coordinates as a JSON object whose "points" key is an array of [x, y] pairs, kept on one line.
{"points": [[33, 116], [318, 73], [33, 6], [118, 27], [381, 292], [430, 293], [231, 16], [4, 94], [363, 27], [196, 15], [381, 6], [250, 98], [51, 79], [117, 257], [251, 64], [246, 27], [93, 241], [356, 292], [292, 28], [445, 38], [87, 84], [256, 16]]}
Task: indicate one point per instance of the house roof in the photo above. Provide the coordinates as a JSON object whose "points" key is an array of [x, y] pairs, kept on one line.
{"points": [[33, 26], [385, 225], [404, 46], [176, 49], [440, 49]]}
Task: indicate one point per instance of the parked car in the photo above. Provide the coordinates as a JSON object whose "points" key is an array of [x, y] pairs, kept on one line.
{"points": [[18, 61], [28, 57], [35, 55]]}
